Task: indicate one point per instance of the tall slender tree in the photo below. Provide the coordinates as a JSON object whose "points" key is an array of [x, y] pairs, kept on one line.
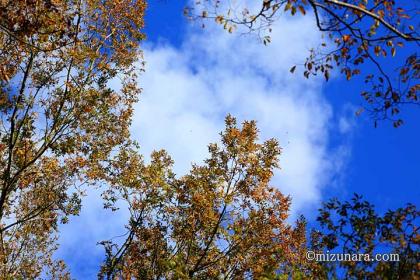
{"points": [[221, 221], [59, 118]]}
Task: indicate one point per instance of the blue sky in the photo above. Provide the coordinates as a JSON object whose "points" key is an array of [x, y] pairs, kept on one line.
{"points": [[195, 77]]}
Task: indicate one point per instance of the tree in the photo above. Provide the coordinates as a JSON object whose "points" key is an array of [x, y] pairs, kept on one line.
{"points": [[356, 31], [222, 220], [353, 227], [59, 118]]}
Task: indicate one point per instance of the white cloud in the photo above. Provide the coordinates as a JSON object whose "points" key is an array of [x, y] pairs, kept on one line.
{"points": [[347, 119], [78, 239], [187, 93]]}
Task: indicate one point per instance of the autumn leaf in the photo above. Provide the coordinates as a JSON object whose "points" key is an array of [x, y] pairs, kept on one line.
{"points": [[302, 10]]}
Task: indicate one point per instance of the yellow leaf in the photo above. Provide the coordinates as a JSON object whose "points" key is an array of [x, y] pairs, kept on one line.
{"points": [[302, 10], [346, 38]]}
